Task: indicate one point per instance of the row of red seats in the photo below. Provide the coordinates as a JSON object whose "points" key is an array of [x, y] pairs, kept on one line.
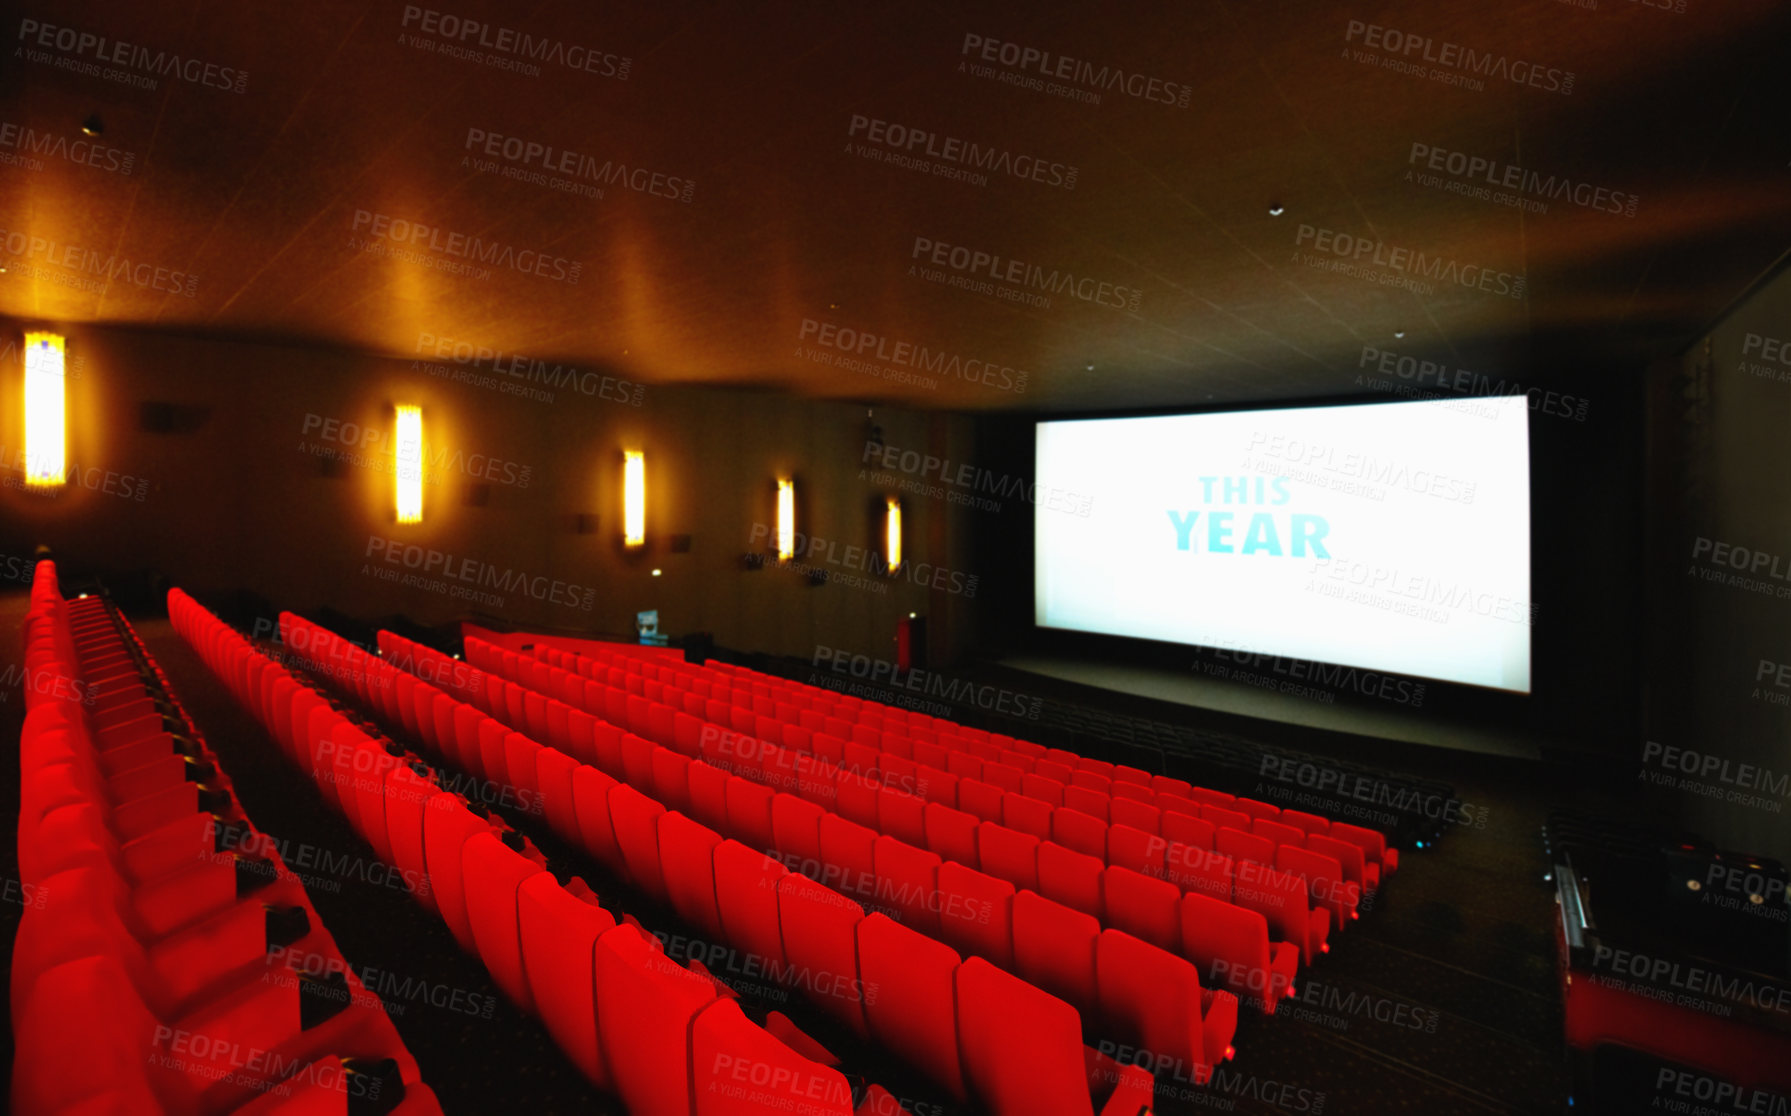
{"points": [[954, 1019], [1192, 852], [663, 1037], [1110, 792], [166, 959], [1041, 939], [1231, 942], [861, 720]]}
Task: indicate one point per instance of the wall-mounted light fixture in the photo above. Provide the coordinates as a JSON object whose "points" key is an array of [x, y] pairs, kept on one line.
{"points": [[46, 411], [634, 498], [407, 472], [786, 519], [892, 530]]}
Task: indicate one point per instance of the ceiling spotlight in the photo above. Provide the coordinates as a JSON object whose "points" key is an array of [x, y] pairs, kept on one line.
{"points": [[1276, 211], [93, 125], [1399, 335], [1089, 367], [656, 573], [912, 615]]}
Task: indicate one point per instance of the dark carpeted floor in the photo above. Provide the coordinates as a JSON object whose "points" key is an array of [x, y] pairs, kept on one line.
{"points": [[1443, 998]]}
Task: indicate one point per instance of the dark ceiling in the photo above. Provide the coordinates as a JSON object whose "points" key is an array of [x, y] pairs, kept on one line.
{"points": [[287, 204]]}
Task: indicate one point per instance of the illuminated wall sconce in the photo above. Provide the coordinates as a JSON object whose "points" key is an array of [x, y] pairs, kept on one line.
{"points": [[634, 498], [786, 519], [46, 411], [892, 529], [408, 464]]}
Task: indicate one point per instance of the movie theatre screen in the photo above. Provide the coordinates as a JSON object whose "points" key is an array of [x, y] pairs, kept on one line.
{"points": [[1391, 537]]}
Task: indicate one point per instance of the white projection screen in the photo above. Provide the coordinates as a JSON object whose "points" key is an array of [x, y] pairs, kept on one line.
{"points": [[1390, 537]]}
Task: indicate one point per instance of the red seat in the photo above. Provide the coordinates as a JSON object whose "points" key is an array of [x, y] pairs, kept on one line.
{"points": [[1081, 832], [910, 998], [952, 834], [848, 858], [1070, 877], [749, 813], [796, 833], [1325, 884], [1258, 809], [741, 1069], [1221, 817], [1278, 832], [1311, 823], [406, 794], [1242, 845], [1045, 790], [1028, 815], [1054, 947], [964, 766], [1008, 855], [857, 799], [1092, 802], [709, 794], [645, 1004], [636, 821], [491, 759], [976, 913], [907, 883], [671, 779], [820, 938], [1283, 899], [637, 761], [902, 816], [687, 863], [590, 798], [554, 771], [1022, 1047], [1348, 857], [558, 934], [980, 798], [521, 758], [1004, 775], [746, 882], [1230, 944], [1144, 853], [493, 875], [1200, 870], [447, 826], [1139, 815], [1373, 845], [1187, 829], [1157, 994], [1143, 907]]}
